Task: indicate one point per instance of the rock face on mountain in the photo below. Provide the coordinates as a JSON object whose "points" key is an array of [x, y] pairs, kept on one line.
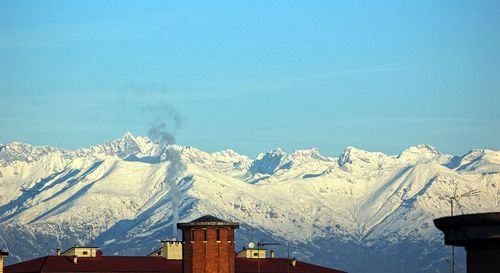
{"points": [[362, 212]]}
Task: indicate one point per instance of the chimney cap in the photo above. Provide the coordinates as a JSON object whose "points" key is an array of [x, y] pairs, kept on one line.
{"points": [[464, 230], [476, 219], [4, 253], [208, 221]]}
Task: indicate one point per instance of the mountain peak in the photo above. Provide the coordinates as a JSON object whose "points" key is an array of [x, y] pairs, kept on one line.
{"points": [[314, 151], [267, 163], [352, 154], [123, 147], [475, 159], [274, 152], [18, 151], [423, 148], [421, 152], [228, 154], [128, 135]]}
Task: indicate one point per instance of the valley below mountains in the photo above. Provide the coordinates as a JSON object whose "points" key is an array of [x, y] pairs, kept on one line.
{"points": [[359, 212]]}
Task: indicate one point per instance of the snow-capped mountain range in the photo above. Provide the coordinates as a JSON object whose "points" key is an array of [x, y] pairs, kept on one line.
{"points": [[361, 212]]}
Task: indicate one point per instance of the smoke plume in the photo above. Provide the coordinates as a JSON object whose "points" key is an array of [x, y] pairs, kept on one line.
{"points": [[163, 136]]}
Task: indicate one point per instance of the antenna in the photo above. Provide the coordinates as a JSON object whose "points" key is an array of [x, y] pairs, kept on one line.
{"points": [[90, 228], [455, 198], [288, 257], [251, 233]]}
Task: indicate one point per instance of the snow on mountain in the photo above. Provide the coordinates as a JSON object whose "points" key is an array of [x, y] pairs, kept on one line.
{"points": [[17, 151], [485, 161], [267, 163], [422, 153], [358, 161], [345, 212]]}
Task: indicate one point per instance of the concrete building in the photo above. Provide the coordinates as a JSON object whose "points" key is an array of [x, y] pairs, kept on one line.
{"points": [[253, 253], [208, 246], [80, 251], [479, 234], [170, 250]]}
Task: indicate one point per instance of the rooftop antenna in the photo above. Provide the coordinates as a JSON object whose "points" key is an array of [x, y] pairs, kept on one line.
{"points": [[90, 228], [251, 233], [455, 198], [288, 257]]}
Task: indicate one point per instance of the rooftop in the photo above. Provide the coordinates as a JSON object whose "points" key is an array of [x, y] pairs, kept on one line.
{"points": [[279, 265], [208, 220], [97, 264], [128, 264], [470, 229], [477, 219]]}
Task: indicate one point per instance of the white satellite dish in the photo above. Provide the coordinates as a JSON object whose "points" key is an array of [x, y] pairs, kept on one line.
{"points": [[251, 245]]}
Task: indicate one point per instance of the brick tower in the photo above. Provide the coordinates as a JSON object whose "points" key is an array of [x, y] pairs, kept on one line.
{"points": [[208, 245]]}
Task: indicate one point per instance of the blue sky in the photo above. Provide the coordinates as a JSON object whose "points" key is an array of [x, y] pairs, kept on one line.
{"points": [[253, 75]]}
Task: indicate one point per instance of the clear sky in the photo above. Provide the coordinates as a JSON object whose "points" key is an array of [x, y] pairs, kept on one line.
{"points": [[253, 75]]}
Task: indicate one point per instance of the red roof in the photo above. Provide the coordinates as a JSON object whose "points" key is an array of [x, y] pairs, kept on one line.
{"points": [[129, 264], [97, 264], [272, 265]]}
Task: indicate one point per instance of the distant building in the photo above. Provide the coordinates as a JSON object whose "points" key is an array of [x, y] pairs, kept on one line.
{"points": [[170, 250], [253, 253], [81, 251], [207, 246]]}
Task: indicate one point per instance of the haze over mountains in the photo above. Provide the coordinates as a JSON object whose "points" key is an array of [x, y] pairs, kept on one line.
{"points": [[361, 212]]}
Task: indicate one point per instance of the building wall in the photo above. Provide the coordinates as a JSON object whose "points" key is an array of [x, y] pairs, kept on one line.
{"points": [[170, 250], [203, 253], [173, 250], [252, 253], [81, 252], [483, 258]]}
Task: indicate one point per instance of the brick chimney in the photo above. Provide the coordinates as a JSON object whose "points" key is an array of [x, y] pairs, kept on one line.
{"points": [[2, 254], [208, 245]]}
